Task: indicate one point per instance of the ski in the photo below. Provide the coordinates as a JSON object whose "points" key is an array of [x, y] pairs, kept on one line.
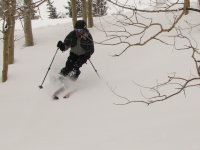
{"points": [[69, 93], [67, 96], [57, 92], [55, 97], [65, 87]]}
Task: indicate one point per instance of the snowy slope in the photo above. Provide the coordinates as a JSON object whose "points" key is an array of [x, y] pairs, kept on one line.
{"points": [[89, 119]]}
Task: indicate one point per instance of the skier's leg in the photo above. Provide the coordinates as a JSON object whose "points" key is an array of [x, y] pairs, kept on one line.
{"points": [[77, 65], [69, 65]]}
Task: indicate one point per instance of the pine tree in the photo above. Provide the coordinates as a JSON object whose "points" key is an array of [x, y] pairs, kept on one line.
{"points": [[78, 8], [52, 10], [33, 13], [69, 8], [99, 7]]}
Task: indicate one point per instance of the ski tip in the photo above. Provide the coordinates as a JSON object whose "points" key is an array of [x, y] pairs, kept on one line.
{"points": [[67, 96], [55, 97]]}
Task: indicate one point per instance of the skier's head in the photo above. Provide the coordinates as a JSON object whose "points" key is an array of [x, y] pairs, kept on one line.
{"points": [[80, 24], [80, 27]]}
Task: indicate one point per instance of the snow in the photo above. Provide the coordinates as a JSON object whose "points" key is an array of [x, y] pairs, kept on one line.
{"points": [[90, 118]]}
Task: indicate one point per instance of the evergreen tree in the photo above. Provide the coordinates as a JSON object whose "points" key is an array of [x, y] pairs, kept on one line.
{"points": [[99, 7], [52, 10], [34, 13], [78, 8], [69, 8]]}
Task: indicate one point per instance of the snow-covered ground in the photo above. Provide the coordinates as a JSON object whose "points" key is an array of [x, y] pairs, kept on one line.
{"points": [[89, 119]]}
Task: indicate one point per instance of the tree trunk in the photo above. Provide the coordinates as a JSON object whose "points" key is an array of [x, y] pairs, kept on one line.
{"points": [[12, 30], [1, 9], [84, 8], [5, 56], [199, 2], [74, 12], [6, 37], [186, 5], [90, 17], [27, 23]]}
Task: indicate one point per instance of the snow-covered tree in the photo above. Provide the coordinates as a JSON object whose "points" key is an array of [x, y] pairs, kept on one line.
{"points": [[69, 8], [78, 8], [34, 12], [99, 7], [52, 10]]}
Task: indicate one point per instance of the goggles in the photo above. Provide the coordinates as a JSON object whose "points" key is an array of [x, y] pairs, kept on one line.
{"points": [[78, 30]]}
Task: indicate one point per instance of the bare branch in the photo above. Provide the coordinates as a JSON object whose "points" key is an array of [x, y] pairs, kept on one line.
{"points": [[139, 28], [153, 11]]}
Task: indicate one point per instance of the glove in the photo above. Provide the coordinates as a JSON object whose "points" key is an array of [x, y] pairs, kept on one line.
{"points": [[61, 45]]}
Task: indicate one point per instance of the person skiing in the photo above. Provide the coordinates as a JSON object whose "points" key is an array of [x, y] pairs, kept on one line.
{"points": [[82, 47]]}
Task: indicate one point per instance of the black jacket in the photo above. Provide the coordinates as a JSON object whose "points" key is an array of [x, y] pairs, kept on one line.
{"points": [[86, 41]]}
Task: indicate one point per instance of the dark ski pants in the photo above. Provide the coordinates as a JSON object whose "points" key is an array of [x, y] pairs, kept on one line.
{"points": [[74, 63]]}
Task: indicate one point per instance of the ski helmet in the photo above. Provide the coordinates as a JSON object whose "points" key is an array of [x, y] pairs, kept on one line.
{"points": [[80, 24]]}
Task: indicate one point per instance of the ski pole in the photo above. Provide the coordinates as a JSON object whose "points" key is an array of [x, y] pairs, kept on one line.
{"points": [[41, 86], [95, 69]]}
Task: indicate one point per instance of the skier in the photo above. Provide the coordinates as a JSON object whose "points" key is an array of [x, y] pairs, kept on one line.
{"points": [[82, 47]]}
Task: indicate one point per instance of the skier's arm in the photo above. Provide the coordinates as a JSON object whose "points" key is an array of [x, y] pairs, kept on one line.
{"points": [[61, 46], [66, 44], [68, 40]]}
